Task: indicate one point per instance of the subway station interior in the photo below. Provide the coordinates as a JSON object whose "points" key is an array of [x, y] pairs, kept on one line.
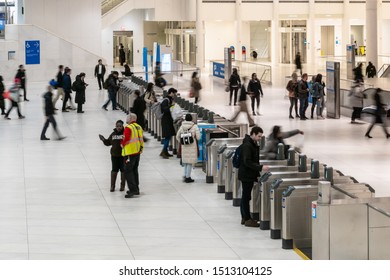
{"points": [[55, 201]]}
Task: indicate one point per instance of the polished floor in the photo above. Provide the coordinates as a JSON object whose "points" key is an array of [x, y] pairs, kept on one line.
{"points": [[55, 201]]}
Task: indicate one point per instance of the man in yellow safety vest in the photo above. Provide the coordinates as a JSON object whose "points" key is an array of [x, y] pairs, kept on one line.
{"points": [[132, 147]]}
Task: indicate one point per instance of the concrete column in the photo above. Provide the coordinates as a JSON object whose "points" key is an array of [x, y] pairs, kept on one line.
{"points": [[372, 32], [275, 35], [346, 32], [238, 30], [199, 35], [310, 33]]}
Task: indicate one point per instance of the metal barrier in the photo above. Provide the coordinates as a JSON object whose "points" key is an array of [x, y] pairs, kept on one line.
{"points": [[229, 175], [296, 210], [221, 165], [236, 188]]}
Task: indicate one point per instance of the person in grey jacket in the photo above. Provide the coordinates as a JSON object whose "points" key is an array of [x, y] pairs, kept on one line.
{"points": [[318, 97], [276, 137], [357, 97]]}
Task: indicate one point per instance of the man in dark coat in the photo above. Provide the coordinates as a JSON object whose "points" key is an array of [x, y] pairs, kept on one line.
{"points": [[168, 130], [370, 70], [139, 107], [21, 74], [80, 87], [100, 70], [49, 113], [298, 63], [249, 172], [122, 54], [67, 87], [112, 90]]}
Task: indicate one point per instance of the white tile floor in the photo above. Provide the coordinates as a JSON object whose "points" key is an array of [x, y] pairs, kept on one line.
{"points": [[55, 201]]}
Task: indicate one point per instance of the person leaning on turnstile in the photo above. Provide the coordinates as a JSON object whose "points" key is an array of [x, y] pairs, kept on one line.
{"points": [[168, 130], [249, 172], [276, 137]]}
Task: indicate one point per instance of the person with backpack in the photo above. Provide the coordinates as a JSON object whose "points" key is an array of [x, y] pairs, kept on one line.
{"points": [[189, 149], [249, 172], [168, 130], [112, 88], [292, 87], [255, 90], [234, 85], [318, 97], [67, 87], [59, 86]]}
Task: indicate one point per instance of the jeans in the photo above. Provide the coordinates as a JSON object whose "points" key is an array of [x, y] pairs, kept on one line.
{"points": [[303, 103], [13, 104], [293, 102], [235, 89], [100, 79], [49, 119], [253, 99], [246, 198], [187, 169], [112, 98], [166, 143], [131, 172]]}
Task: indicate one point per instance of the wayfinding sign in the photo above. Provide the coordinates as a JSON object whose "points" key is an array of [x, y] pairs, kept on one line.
{"points": [[33, 52]]}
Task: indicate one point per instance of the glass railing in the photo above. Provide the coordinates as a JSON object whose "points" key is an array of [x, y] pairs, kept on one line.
{"points": [[107, 5]]}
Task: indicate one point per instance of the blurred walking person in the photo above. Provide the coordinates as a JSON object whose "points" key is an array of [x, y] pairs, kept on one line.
{"points": [[195, 87], [243, 104], [21, 74], [59, 86], [14, 93], [380, 114]]}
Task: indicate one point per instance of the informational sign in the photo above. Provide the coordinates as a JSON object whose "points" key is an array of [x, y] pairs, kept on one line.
{"points": [[218, 70], [2, 24], [350, 61], [313, 210], [145, 62], [243, 53], [33, 49], [232, 51], [227, 64]]}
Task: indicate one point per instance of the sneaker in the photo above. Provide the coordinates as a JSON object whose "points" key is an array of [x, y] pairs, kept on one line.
{"points": [[251, 223], [22, 117], [7, 118], [133, 193], [44, 138], [104, 108], [61, 138]]}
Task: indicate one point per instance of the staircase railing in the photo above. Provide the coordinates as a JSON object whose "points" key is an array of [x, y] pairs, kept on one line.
{"points": [[382, 70], [108, 5]]}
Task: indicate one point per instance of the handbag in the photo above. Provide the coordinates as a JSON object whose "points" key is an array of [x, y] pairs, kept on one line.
{"points": [[191, 94], [186, 137]]}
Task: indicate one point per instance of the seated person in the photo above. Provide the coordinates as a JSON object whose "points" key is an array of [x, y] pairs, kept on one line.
{"points": [[127, 72]]}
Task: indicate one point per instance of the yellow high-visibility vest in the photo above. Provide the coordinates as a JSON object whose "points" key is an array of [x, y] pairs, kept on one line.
{"points": [[136, 143]]}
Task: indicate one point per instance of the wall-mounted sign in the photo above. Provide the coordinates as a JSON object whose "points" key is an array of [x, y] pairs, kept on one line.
{"points": [[33, 52]]}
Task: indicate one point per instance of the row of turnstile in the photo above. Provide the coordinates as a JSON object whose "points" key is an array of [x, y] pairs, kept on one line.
{"points": [[303, 202]]}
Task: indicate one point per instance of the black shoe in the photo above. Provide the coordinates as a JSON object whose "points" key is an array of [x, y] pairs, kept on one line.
{"points": [[134, 193], [61, 138], [80, 112], [306, 118], [291, 117], [104, 108], [7, 118], [114, 109], [131, 194], [368, 135], [45, 138], [26, 99], [254, 113], [22, 117], [297, 116], [55, 109], [303, 119], [189, 180], [64, 110], [387, 135]]}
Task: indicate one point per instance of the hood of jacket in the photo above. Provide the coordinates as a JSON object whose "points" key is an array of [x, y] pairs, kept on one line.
{"points": [[187, 125], [116, 132]]}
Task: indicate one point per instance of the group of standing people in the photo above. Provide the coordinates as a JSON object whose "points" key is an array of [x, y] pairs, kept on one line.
{"points": [[302, 91], [253, 89]]}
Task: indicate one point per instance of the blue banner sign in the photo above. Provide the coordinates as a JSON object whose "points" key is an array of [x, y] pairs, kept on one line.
{"points": [[218, 70], [33, 49]]}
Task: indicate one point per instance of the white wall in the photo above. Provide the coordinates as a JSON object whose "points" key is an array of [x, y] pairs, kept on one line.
{"points": [[385, 25], [53, 52], [74, 20], [337, 23], [218, 35], [133, 21]]}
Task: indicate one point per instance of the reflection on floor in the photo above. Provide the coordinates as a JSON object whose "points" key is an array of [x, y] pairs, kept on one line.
{"points": [[55, 201]]}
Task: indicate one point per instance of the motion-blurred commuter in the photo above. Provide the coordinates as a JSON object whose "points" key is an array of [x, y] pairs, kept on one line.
{"points": [[21, 74], [189, 152], [67, 86], [117, 161], [357, 96], [59, 86], [358, 72], [255, 90], [195, 87], [132, 148], [249, 172], [112, 89], [2, 89], [298, 63], [100, 70], [243, 105], [49, 113], [276, 137], [380, 114], [14, 95]]}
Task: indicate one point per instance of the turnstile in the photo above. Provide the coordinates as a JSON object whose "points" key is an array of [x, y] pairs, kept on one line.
{"points": [[221, 165], [277, 189], [296, 210]]}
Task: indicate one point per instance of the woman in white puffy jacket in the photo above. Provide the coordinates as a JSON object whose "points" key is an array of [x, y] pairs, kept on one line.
{"points": [[189, 152]]}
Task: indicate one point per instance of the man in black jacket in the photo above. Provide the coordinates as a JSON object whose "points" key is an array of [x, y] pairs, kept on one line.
{"points": [[49, 113], [249, 172], [100, 70], [60, 90], [21, 74], [112, 89]]}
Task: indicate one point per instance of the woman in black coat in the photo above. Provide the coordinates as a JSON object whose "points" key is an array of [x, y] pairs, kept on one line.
{"points": [[380, 113], [168, 130], [79, 87]]}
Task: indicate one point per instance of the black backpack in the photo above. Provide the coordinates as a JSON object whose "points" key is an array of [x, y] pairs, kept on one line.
{"points": [[105, 83], [237, 157]]}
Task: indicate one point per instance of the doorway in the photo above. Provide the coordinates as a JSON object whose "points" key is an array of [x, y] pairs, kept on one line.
{"points": [[293, 38], [327, 40], [125, 38]]}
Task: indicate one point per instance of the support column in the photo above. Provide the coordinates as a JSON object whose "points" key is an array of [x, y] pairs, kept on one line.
{"points": [[372, 32], [311, 40], [346, 32], [238, 44], [275, 35], [199, 35]]}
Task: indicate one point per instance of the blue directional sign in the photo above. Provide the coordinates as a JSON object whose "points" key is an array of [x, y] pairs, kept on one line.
{"points": [[33, 52], [218, 70]]}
